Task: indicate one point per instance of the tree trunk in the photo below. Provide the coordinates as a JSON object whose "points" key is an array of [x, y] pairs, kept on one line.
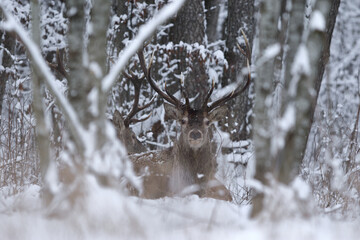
{"points": [[119, 9], [240, 17], [324, 59], [288, 159], [97, 68], [189, 28], [283, 141], [8, 48], [212, 17], [270, 12], [38, 88], [78, 82]]}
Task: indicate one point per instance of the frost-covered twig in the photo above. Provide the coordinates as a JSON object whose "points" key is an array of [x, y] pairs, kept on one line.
{"points": [[11, 25], [145, 32]]}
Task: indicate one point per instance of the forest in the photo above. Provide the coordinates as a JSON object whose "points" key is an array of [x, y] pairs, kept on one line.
{"points": [[179, 119]]}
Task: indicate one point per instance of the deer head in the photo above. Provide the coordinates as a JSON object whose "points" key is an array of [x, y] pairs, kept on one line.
{"points": [[194, 122]]}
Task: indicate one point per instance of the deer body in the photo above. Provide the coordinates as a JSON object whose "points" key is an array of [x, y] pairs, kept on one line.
{"points": [[189, 166], [126, 135]]}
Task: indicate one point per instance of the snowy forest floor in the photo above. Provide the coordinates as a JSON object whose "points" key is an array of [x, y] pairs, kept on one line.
{"points": [[106, 214]]}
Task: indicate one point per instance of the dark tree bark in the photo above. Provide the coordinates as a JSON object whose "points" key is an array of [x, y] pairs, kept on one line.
{"points": [[79, 84], [119, 9], [324, 59], [8, 45], [240, 17], [189, 28], [212, 18]]}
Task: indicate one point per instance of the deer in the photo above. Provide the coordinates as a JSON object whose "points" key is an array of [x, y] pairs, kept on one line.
{"points": [[122, 124], [190, 165]]}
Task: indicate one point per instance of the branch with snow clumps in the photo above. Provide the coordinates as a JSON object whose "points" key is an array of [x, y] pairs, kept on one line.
{"points": [[145, 32]]}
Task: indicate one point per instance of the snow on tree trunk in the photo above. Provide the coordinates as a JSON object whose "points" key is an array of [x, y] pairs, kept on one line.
{"points": [[97, 65], [38, 89], [190, 29], [280, 143], [287, 159], [7, 49], [268, 48], [326, 49], [212, 18], [240, 17], [78, 82]]}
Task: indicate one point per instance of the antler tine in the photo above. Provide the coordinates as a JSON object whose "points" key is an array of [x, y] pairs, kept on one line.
{"points": [[59, 66], [136, 120], [170, 95], [171, 99], [134, 108], [248, 49], [238, 90], [183, 93], [148, 104], [209, 94], [136, 81]]}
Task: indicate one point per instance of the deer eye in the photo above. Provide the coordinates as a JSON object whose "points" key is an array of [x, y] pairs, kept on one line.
{"points": [[183, 121], [207, 122]]}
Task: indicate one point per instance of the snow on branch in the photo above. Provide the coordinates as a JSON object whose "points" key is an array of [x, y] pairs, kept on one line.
{"points": [[145, 32], [11, 25]]}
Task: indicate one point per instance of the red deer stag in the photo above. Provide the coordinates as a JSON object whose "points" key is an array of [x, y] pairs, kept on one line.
{"points": [[190, 166]]}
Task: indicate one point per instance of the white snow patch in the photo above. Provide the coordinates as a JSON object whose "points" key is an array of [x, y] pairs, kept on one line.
{"points": [[272, 50], [317, 21], [96, 69]]}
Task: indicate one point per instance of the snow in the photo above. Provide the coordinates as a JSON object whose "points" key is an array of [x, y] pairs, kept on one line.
{"points": [[145, 32], [269, 54], [107, 214], [317, 21]]}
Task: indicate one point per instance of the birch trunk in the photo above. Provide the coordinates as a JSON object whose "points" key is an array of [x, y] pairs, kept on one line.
{"points": [[270, 11], [42, 131]]}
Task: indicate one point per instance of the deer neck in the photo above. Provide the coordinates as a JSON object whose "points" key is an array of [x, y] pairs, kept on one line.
{"points": [[198, 161]]}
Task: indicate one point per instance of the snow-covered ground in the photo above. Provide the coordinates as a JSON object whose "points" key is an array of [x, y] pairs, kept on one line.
{"points": [[107, 214]]}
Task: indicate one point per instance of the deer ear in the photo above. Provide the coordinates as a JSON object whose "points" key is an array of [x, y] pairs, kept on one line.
{"points": [[117, 120], [172, 112], [218, 113]]}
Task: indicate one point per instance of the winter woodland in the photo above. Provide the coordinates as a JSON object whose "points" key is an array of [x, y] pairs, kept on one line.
{"points": [[179, 119]]}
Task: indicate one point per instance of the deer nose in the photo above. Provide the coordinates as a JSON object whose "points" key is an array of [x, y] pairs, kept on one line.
{"points": [[195, 134]]}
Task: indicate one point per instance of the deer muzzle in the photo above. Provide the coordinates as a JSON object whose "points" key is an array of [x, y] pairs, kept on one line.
{"points": [[195, 138]]}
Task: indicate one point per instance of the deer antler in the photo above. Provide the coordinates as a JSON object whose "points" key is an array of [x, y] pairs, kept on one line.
{"points": [[238, 90], [166, 95], [176, 102], [136, 81], [59, 66]]}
